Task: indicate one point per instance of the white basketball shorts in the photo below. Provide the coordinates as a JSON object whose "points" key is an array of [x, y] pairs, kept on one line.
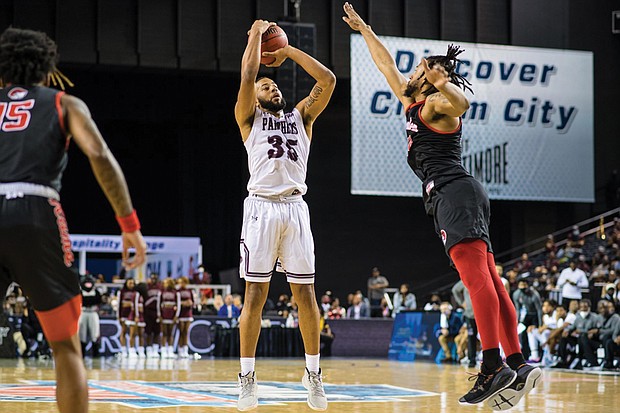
{"points": [[276, 230]]}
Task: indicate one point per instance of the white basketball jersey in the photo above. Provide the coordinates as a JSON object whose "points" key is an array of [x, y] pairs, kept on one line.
{"points": [[278, 149]]}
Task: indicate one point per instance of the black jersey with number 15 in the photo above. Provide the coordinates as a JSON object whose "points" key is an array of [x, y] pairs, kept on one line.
{"points": [[434, 156], [33, 143]]}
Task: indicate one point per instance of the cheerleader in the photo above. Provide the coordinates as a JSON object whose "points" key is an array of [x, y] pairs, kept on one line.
{"points": [[125, 299], [136, 324], [170, 308], [185, 316]]}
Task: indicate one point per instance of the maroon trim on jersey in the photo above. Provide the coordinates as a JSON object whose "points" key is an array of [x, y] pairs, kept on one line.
{"points": [[437, 130]]}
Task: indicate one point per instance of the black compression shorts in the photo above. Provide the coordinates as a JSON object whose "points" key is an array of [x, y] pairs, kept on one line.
{"points": [[461, 211], [35, 251]]}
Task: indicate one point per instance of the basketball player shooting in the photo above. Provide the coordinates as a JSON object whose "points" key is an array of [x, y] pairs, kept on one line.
{"points": [[276, 221], [36, 125], [434, 99]]}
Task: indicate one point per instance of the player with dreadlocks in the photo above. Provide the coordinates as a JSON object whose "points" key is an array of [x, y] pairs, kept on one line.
{"points": [[36, 125], [434, 98]]}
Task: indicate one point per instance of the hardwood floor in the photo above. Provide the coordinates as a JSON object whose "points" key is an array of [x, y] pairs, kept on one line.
{"points": [[352, 385]]}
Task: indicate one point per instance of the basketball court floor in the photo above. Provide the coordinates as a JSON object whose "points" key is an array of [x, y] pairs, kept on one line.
{"points": [[352, 385]]}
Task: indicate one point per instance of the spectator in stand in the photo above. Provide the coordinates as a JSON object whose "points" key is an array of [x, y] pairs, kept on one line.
{"points": [[568, 319], [598, 336], [582, 264], [584, 322], [609, 294], [553, 337], [404, 299], [612, 346], [237, 302], [524, 265], [537, 336], [529, 311], [448, 328], [282, 304], [571, 281], [202, 276], [600, 272], [327, 338], [229, 309], [599, 256], [550, 245], [574, 243], [212, 305], [292, 318], [385, 308], [433, 303], [326, 303], [359, 309], [500, 271], [462, 299], [377, 284], [551, 261], [336, 311]]}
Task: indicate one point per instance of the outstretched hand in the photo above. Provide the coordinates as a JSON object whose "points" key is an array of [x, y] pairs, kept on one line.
{"points": [[352, 18], [435, 75], [133, 240]]}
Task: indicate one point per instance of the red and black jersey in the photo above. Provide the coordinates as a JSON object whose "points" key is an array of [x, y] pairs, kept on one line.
{"points": [[434, 156], [33, 143]]}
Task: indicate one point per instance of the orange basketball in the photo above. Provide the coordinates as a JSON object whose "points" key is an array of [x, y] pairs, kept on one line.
{"points": [[273, 39]]}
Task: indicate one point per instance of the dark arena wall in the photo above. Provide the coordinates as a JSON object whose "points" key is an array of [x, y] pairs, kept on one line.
{"points": [[161, 79]]}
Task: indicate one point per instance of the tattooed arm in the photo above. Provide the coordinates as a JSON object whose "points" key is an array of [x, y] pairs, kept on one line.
{"points": [[312, 106]]}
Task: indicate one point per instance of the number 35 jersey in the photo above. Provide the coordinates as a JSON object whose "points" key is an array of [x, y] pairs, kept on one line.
{"points": [[278, 149], [33, 144]]}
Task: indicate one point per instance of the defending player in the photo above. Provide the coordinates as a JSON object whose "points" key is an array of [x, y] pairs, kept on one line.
{"points": [[36, 126], [434, 99]]}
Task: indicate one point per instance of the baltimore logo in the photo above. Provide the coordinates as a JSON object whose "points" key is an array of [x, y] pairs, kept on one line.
{"points": [[145, 395]]}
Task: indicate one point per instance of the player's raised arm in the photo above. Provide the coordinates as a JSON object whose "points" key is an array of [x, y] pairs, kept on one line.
{"points": [[84, 132], [250, 63], [451, 99], [380, 55]]}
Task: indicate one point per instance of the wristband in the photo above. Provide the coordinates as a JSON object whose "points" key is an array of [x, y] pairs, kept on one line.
{"points": [[129, 223]]}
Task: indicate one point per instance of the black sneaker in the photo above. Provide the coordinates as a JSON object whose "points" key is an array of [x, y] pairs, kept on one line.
{"points": [[488, 385], [528, 377]]}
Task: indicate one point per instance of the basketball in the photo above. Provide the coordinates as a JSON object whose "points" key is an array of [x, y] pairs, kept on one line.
{"points": [[273, 39]]}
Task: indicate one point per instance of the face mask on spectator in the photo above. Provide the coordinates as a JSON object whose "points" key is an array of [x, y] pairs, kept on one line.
{"points": [[584, 314]]}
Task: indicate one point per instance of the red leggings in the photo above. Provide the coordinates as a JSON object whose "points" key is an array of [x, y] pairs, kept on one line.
{"points": [[493, 309]]}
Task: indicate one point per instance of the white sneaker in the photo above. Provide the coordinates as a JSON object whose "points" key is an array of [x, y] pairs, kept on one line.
{"points": [[132, 353], [313, 382], [248, 389], [141, 354]]}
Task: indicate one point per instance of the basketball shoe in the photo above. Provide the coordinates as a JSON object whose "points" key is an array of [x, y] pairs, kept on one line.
{"points": [[527, 378], [488, 385], [313, 382], [248, 389]]}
